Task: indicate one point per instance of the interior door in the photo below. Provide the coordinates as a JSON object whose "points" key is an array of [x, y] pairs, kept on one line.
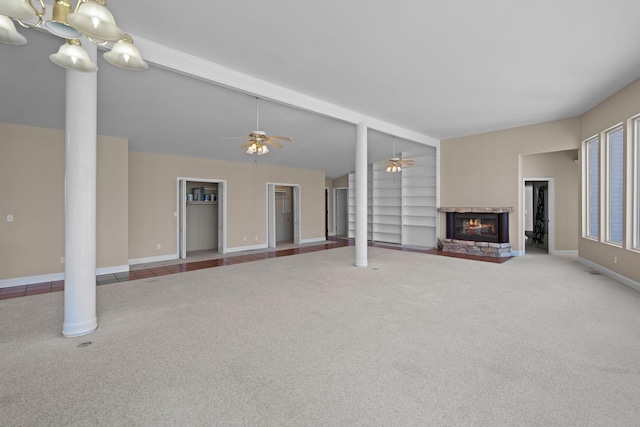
{"points": [[182, 218], [222, 238], [342, 214], [296, 215], [271, 215]]}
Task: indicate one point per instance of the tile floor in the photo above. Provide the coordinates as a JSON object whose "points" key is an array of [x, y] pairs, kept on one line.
{"points": [[180, 266]]}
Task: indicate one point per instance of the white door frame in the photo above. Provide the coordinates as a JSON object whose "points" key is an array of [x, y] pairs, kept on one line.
{"points": [[335, 209], [551, 213], [181, 217], [271, 213]]}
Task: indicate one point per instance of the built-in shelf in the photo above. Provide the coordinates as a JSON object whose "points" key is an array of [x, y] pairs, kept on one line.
{"points": [[193, 202], [401, 207]]}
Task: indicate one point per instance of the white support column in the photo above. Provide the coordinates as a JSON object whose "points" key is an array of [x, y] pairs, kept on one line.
{"points": [[80, 168], [361, 196]]}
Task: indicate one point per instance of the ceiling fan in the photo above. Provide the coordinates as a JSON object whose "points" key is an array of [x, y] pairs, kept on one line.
{"points": [[395, 164], [257, 140]]}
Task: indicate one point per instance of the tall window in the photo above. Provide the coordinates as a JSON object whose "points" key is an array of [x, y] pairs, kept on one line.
{"points": [[636, 182], [592, 163], [615, 182]]}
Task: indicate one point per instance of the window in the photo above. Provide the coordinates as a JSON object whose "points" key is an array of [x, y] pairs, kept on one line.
{"points": [[615, 183], [592, 163], [636, 182]]}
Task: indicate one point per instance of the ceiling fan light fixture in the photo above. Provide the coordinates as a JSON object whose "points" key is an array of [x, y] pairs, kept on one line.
{"points": [[58, 24], [72, 56], [125, 55], [9, 34], [258, 148], [93, 19], [17, 9]]}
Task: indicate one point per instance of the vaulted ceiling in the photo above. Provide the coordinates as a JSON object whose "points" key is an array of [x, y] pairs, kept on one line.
{"points": [[429, 69]]}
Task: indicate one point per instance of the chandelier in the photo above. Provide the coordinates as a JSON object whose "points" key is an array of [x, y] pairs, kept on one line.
{"points": [[90, 18]]}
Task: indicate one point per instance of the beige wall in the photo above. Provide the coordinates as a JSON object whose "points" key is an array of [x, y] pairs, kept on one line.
{"points": [[153, 198], [484, 170], [342, 182], [32, 190], [613, 111], [560, 166]]}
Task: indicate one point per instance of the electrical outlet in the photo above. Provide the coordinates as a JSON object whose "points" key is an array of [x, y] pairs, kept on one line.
{"points": [[615, 259], [9, 218], [61, 260], [175, 214], [256, 238], [158, 246]]}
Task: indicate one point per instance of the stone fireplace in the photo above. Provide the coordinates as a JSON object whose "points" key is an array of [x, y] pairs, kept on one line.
{"points": [[477, 231]]}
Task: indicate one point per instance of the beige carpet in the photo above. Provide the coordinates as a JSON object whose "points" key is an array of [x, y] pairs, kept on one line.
{"points": [[310, 340]]}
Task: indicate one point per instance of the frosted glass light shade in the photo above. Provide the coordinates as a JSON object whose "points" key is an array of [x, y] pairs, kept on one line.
{"points": [[94, 20], [58, 24], [8, 32], [17, 9], [125, 55], [73, 57]]}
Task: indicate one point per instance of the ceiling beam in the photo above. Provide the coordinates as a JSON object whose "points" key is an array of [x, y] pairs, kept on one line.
{"points": [[189, 65]]}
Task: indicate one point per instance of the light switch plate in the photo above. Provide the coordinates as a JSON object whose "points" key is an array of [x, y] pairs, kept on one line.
{"points": [[9, 218]]}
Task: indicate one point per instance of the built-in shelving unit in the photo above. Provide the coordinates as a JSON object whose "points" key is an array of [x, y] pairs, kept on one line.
{"points": [[419, 213], [401, 206], [352, 206], [387, 205]]}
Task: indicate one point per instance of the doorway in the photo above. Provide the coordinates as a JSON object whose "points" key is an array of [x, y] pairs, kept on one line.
{"points": [[283, 217], [341, 211], [201, 216], [538, 211]]}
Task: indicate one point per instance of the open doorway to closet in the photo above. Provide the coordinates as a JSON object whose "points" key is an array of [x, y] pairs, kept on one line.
{"points": [[201, 217], [341, 211], [283, 214], [538, 215]]}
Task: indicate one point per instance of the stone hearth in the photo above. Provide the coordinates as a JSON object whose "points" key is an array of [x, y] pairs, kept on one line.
{"points": [[494, 250]]}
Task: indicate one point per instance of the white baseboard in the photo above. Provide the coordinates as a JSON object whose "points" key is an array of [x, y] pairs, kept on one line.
{"points": [[151, 259], [332, 233], [566, 253], [246, 248], [112, 270], [30, 280], [314, 240], [517, 253], [611, 274]]}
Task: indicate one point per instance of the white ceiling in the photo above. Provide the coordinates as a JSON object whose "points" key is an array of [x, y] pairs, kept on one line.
{"points": [[442, 69]]}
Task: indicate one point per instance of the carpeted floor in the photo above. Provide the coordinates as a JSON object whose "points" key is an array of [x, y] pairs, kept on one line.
{"points": [[310, 340]]}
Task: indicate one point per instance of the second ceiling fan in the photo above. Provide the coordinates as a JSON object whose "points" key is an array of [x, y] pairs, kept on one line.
{"points": [[395, 163], [257, 140]]}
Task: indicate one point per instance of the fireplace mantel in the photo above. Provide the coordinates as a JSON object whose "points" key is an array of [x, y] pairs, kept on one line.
{"points": [[476, 210]]}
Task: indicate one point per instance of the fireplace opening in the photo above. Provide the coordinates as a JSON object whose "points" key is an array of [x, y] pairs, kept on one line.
{"points": [[479, 227], [484, 226]]}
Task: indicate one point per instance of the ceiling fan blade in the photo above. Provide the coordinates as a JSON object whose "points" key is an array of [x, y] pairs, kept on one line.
{"points": [[407, 162], [282, 138], [275, 144], [246, 144]]}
